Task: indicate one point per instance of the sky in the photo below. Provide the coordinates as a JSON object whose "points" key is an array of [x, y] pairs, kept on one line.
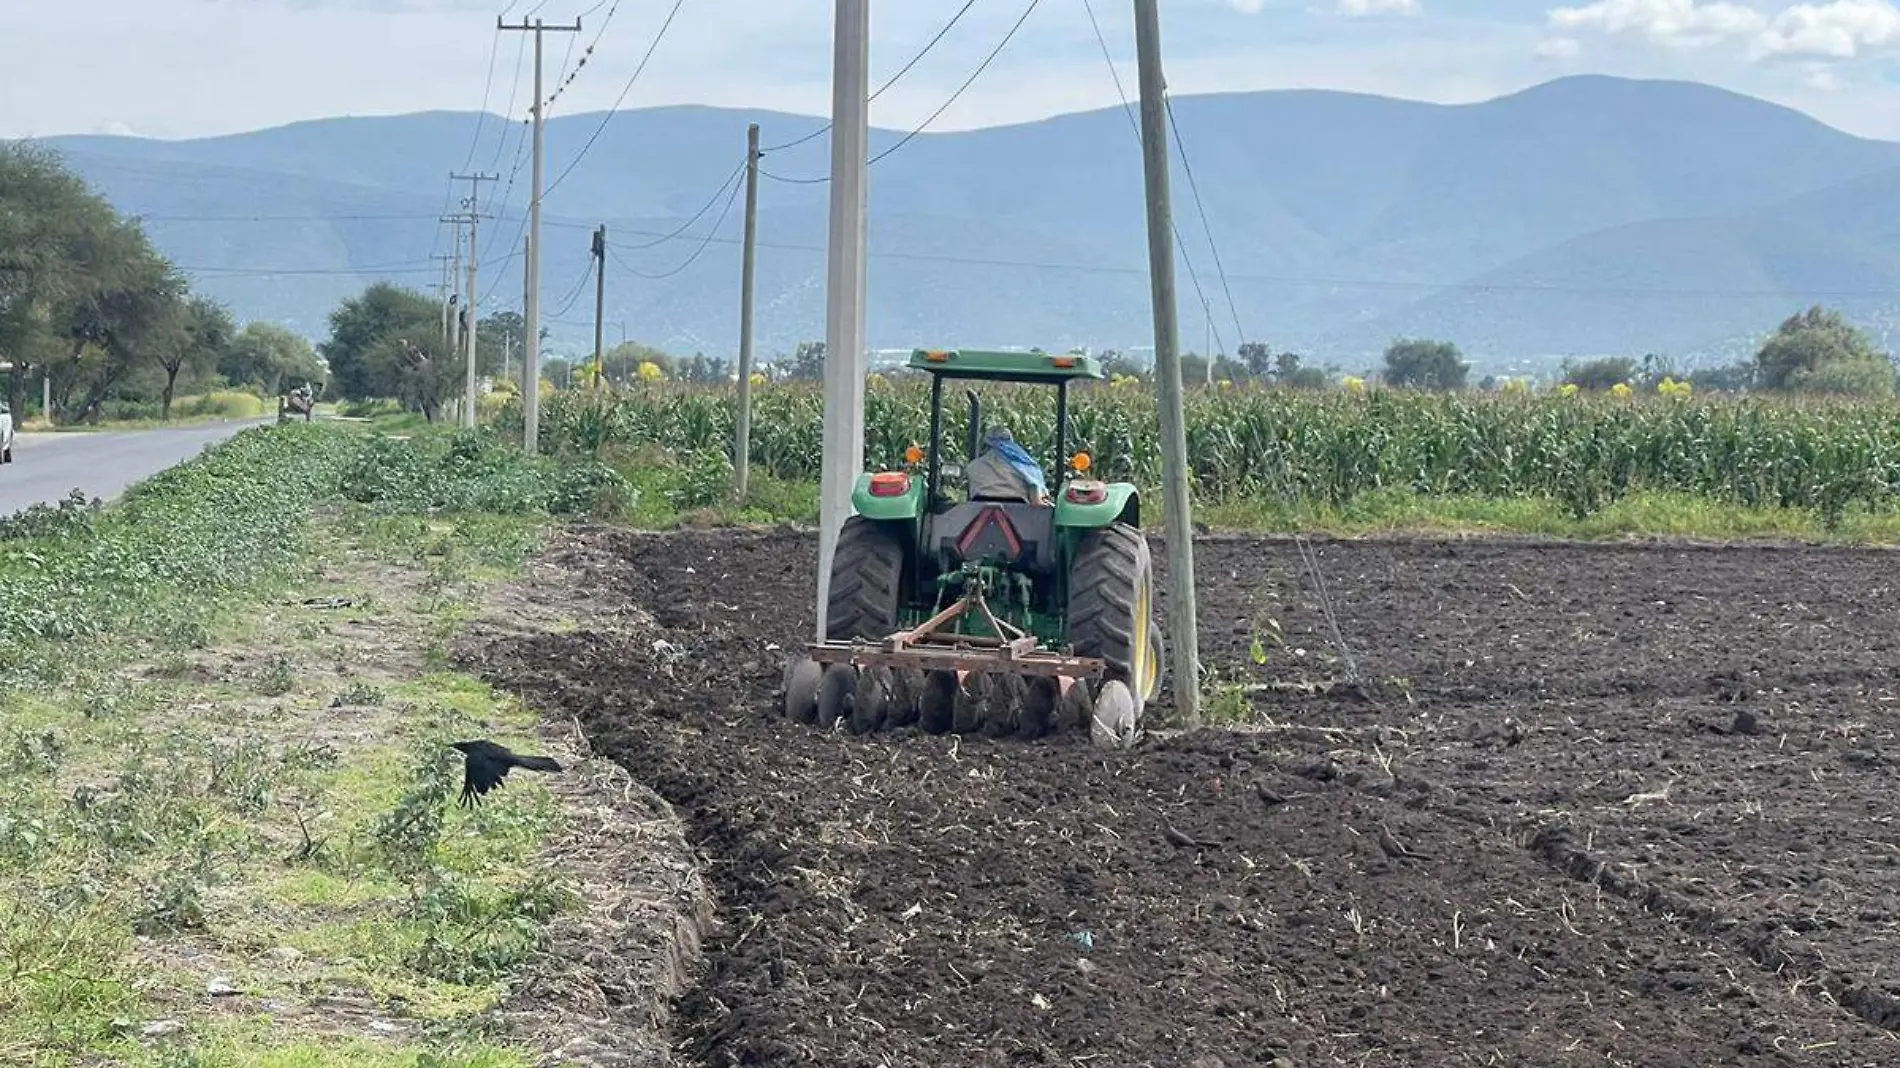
{"points": [[194, 68]]}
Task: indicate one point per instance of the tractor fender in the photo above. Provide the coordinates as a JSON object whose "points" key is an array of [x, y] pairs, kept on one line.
{"points": [[908, 505], [1122, 505]]}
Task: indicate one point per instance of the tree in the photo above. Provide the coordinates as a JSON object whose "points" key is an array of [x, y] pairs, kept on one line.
{"points": [[1597, 376], [414, 366], [1424, 364], [1736, 377], [197, 336], [363, 358], [1259, 359], [808, 361], [1820, 351], [124, 318], [263, 355], [61, 245], [501, 340]]}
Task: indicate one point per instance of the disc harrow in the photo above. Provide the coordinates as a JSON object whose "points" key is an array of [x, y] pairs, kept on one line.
{"points": [[945, 680]]}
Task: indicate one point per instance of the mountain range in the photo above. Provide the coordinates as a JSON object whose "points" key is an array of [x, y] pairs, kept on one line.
{"points": [[1584, 216]]}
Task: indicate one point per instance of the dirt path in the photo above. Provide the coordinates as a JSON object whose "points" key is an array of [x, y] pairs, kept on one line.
{"points": [[1641, 795]]}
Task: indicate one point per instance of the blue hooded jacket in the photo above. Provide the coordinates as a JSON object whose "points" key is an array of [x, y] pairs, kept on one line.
{"points": [[999, 440]]}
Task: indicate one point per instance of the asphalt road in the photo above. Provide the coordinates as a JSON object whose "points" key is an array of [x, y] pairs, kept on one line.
{"points": [[47, 467]]}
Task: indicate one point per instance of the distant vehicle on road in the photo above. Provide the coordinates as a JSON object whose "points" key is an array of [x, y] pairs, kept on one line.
{"points": [[6, 433]]}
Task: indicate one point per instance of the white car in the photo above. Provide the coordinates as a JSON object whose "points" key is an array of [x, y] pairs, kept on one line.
{"points": [[6, 433]]}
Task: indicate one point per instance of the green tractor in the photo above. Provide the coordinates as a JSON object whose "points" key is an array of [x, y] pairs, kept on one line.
{"points": [[962, 602]]}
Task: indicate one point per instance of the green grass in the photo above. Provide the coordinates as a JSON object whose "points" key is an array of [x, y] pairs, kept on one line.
{"points": [[1645, 515], [198, 770]]}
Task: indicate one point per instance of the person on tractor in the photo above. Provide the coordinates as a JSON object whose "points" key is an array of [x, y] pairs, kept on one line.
{"points": [[1004, 470]]}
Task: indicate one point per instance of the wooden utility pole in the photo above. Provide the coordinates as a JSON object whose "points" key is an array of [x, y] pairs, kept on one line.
{"points": [[600, 302], [470, 335], [444, 286], [531, 357], [1174, 466], [742, 425]]}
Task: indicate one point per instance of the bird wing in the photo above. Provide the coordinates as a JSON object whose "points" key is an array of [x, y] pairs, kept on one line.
{"points": [[481, 773]]}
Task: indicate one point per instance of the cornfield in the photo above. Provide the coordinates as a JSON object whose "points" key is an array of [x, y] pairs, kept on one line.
{"points": [[1326, 448]]}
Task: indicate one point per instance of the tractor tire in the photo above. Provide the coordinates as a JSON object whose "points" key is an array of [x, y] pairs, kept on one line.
{"points": [[1111, 608], [867, 582]]}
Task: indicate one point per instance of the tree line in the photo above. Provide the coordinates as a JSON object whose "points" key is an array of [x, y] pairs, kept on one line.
{"points": [[88, 305]]}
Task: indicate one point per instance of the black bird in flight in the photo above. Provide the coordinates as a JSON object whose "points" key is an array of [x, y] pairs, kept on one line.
{"points": [[485, 765]]}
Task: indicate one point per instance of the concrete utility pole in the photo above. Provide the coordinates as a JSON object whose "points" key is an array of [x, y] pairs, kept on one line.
{"points": [[471, 334], [742, 425], [600, 302], [531, 358], [1174, 466], [844, 283]]}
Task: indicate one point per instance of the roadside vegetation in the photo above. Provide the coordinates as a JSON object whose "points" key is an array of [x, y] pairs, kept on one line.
{"points": [[227, 825], [94, 316]]}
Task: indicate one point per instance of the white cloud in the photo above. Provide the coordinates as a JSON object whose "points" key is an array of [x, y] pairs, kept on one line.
{"points": [[1356, 8], [1557, 48], [1842, 29], [1679, 23], [1247, 7]]}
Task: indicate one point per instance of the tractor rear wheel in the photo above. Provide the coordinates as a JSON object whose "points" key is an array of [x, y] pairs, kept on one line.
{"points": [[1111, 608], [867, 582]]}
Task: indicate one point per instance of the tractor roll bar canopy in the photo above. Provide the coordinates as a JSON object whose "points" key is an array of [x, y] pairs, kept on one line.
{"points": [[999, 366]]}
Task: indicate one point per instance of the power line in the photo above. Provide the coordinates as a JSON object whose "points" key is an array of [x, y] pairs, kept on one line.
{"points": [[703, 244], [588, 52], [1240, 334], [971, 80], [935, 115], [575, 294], [731, 181], [624, 90], [1128, 110], [481, 115], [892, 80], [404, 267]]}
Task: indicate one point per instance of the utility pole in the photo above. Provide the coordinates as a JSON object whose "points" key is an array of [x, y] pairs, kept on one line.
{"points": [[443, 287], [1174, 466], [531, 358], [455, 279], [742, 425], [600, 301], [844, 284], [474, 214]]}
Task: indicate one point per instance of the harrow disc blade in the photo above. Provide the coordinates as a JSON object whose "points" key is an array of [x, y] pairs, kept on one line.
{"points": [[907, 692], [1113, 724], [871, 703], [972, 703], [1037, 716], [936, 705], [802, 675], [836, 690], [1002, 712], [1075, 708]]}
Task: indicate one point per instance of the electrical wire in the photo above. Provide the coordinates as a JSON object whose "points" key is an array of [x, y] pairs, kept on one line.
{"points": [[892, 80], [704, 243], [1128, 109], [1220, 269], [588, 52], [624, 90], [731, 180], [935, 115], [575, 293]]}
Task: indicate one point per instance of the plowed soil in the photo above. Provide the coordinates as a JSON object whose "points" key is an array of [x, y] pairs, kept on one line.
{"points": [[1587, 805]]}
